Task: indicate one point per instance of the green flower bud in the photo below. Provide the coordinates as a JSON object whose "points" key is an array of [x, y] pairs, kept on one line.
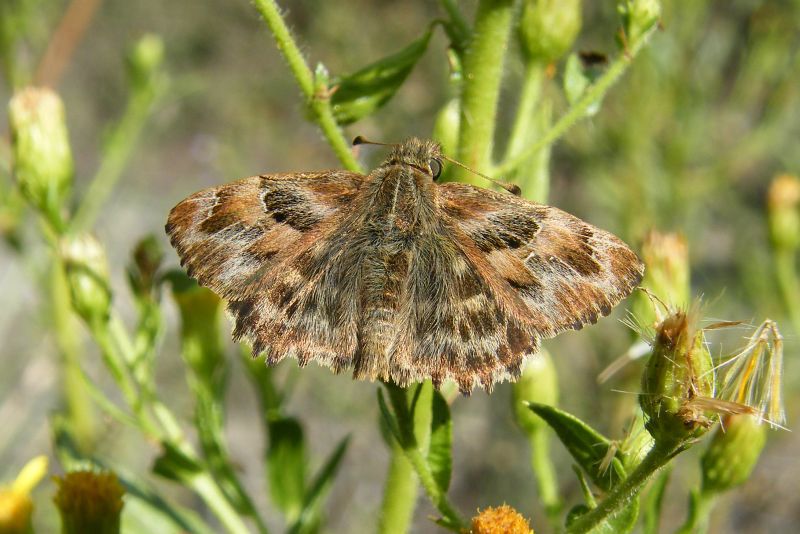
{"points": [[144, 60], [538, 383], [679, 371], [666, 274], [42, 156], [638, 17], [89, 501], [200, 311], [783, 210], [548, 28], [87, 276], [733, 452], [143, 271]]}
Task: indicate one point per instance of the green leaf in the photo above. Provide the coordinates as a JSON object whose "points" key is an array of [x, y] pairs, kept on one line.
{"points": [[439, 457], [174, 464], [362, 93], [587, 446], [579, 74], [309, 516], [286, 464]]}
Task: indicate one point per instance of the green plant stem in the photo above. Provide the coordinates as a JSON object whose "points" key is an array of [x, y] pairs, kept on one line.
{"points": [[117, 153], [205, 486], [626, 490], [578, 110], [317, 98], [545, 475], [532, 118], [408, 441], [483, 72], [78, 401], [400, 495], [788, 285], [700, 505]]}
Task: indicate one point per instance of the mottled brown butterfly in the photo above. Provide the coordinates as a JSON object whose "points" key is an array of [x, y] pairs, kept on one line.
{"points": [[394, 275]]}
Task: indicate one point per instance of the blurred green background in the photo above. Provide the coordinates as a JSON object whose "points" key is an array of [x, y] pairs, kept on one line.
{"points": [[688, 142]]}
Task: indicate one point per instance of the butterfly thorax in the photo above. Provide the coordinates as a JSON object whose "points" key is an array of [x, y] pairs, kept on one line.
{"points": [[400, 199]]}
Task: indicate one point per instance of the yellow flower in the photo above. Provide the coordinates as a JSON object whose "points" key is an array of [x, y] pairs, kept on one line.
{"points": [[16, 505], [501, 520]]}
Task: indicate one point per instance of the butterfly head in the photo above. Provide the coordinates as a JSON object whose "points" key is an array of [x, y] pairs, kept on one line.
{"points": [[422, 154]]}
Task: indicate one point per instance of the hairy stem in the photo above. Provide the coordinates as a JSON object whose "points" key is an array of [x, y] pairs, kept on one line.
{"points": [[400, 495], [578, 110], [317, 100], [483, 72], [657, 458]]}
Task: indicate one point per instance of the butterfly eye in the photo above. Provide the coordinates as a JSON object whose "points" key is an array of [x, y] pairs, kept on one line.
{"points": [[436, 167]]}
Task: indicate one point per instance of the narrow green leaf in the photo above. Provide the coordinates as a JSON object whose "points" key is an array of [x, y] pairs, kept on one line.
{"points": [[174, 464], [439, 456], [362, 93], [309, 516], [286, 465], [389, 418], [587, 446]]}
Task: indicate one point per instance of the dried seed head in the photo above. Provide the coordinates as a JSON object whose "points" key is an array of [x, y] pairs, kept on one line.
{"points": [[753, 376]]}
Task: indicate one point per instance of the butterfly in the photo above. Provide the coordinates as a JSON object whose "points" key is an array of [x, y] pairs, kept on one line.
{"points": [[394, 275]]}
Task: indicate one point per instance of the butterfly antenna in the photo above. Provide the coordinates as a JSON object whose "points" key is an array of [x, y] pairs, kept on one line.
{"points": [[511, 188], [361, 140]]}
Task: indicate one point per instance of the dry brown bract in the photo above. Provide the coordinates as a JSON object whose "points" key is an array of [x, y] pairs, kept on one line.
{"points": [[394, 275]]}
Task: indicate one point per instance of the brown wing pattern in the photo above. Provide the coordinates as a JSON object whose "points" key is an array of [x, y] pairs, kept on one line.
{"points": [[567, 272], [252, 242]]}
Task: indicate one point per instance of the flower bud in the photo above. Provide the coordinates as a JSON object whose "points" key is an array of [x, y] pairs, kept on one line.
{"points": [[501, 519], [783, 209], [89, 501], [638, 17], [679, 370], [87, 275], [200, 311], [733, 452], [144, 60], [666, 274], [42, 156], [538, 383], [445, 128], [548, 28], [143, 270], [16, 506]]}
